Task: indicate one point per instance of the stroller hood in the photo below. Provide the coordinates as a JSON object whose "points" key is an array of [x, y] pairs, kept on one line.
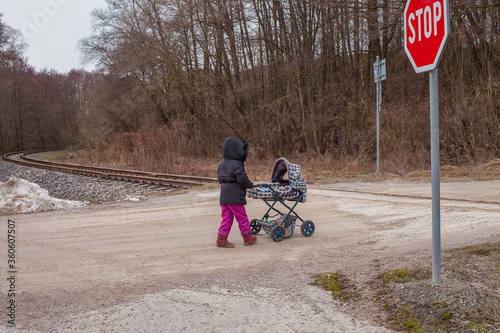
{"points": [[281, 167], [294, 188]]}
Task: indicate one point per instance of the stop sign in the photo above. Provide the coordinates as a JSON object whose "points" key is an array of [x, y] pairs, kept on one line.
{"points": [[426, 27]]}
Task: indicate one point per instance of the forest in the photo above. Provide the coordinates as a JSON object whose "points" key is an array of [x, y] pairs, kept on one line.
{"points": [[175, 77]]}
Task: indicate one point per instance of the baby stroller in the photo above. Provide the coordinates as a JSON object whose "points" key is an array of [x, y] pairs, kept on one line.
{"points": [[281, 225]]}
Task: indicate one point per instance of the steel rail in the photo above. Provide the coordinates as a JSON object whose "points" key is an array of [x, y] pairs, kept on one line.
{"points": [[22, 158], [408, 196]]}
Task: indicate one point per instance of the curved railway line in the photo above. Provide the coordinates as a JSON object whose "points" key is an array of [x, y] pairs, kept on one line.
{"points": [[171, 180], [141, 177]]}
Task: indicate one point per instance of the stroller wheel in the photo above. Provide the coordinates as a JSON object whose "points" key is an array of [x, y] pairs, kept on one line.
{"points": [[255, 226], [307, 228], [278, 233]]}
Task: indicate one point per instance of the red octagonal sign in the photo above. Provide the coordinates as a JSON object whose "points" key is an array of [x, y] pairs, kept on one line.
{"points": [[426, 25]]}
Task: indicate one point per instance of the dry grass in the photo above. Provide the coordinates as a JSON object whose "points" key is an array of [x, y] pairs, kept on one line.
{"points": [[173, 149], [405, 299], [485, 171], [466, 301], [315, 169]]}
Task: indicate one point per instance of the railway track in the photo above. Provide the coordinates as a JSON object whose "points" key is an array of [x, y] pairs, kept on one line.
{"points": [[410, 196], [140, 177], [171, 180]]}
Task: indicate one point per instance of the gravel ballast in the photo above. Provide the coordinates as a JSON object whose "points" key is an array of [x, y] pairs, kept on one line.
{"points": [[82, 188]]}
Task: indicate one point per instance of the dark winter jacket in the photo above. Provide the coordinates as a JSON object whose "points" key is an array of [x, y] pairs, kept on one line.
{"points": [[231, 173]]}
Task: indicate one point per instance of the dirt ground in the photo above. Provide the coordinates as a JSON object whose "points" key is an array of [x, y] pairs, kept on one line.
{"points": [[152, 266]]}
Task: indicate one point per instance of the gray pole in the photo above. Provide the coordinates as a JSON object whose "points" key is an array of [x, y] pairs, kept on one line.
{"points": [[436, 187], [379, 102]]}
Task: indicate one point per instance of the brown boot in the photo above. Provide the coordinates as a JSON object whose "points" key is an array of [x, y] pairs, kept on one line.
{"points": [[223, 242], [249, 239]]}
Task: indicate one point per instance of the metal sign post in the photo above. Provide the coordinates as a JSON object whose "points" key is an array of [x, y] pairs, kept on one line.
{"points": [[436, 179], [426, 30], [379, 74]]}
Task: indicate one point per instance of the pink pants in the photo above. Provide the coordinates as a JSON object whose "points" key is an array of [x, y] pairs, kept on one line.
{"points": [[228, 213]]}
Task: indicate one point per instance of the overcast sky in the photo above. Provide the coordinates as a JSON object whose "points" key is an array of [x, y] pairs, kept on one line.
{"points": [[52, 29]]}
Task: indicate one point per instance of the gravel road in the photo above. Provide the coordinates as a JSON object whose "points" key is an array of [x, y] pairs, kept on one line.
{"points": [[152, 265]]}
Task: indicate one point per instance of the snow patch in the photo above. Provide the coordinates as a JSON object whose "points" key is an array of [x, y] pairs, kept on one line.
{"points": [[21, 196], [132, 199]]}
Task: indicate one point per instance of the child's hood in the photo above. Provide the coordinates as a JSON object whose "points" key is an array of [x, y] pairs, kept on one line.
{"points": [[235, 149]]}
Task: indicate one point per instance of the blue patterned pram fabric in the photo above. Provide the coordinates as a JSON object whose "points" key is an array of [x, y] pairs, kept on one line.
{"points": [[266, 192], [289, 189]]}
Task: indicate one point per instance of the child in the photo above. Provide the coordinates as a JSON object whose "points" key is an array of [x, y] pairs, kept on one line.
{"points": [[234, 182]]}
